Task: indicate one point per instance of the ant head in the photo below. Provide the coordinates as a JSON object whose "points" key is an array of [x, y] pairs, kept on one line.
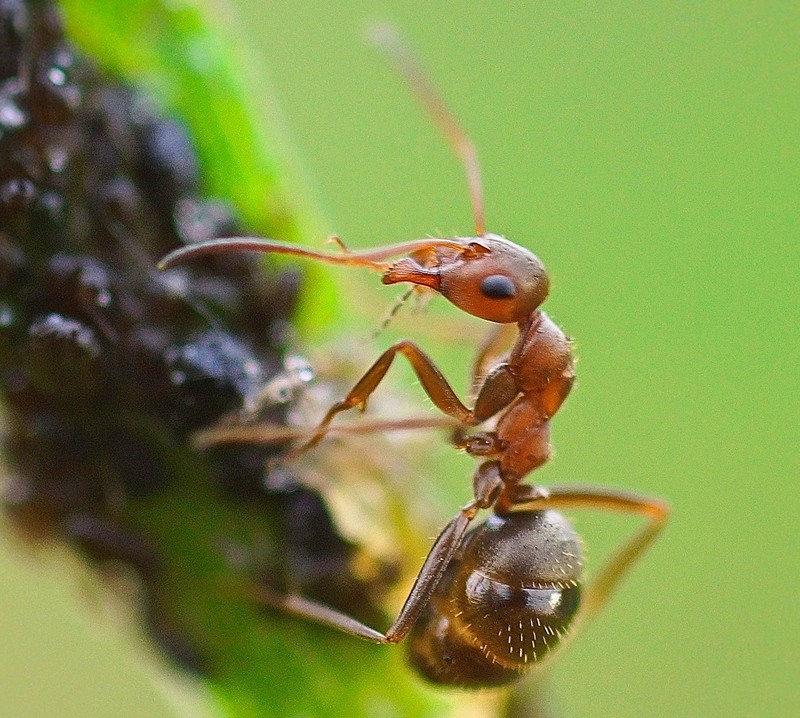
{"points": [[488, 276]]}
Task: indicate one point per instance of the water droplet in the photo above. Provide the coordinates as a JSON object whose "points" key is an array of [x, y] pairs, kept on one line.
{"points": [[6, 316], [299, 368], [252, 369], [57, 76], [305, 375], [57, 159], [12, 116]]}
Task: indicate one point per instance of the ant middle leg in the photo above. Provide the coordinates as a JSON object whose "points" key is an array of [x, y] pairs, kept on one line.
{"points": [[266, 433]]}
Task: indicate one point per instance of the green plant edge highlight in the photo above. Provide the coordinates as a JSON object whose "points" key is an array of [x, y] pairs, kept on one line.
{"points": [[176, 51], [270, 666]]}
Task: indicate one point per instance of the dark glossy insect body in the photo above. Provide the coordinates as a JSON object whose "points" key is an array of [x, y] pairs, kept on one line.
{"points": [[504, 602]]}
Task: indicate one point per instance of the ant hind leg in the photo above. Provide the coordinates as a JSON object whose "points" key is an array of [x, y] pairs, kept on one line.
{"points": [[613, 571], [425, 584]]}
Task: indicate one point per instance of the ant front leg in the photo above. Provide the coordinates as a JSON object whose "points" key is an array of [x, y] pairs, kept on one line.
{"points": [[609, 576], [425, 584], [431, 378], [498, 391], [493, 350]]}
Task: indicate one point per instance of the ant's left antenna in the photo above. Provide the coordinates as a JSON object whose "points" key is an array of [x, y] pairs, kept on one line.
{"points": [[389, 41]]}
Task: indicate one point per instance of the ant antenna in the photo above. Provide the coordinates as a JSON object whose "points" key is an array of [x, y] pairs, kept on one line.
{"points": [[386, 38]]}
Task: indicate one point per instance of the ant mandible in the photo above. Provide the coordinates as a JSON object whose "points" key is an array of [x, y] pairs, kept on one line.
{"points": [[489, 603]]}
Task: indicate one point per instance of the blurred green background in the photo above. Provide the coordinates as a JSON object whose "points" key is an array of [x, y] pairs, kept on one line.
{"points": [[650, 154]]}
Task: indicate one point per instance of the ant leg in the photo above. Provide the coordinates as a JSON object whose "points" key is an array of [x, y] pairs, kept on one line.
{"points": [[266, 433], [483, 444], [433, 382], [497, 392], [425, 584], [388, 40], [607, 579], [492, 350]]}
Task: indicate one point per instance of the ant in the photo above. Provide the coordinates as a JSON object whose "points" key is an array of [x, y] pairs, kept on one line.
{"points": [[488, 603]]}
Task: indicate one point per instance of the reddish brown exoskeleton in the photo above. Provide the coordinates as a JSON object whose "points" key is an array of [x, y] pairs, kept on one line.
{"points": [[489, 603]]}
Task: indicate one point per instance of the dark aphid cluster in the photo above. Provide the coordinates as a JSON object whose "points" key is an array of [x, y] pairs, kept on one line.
{"points": [[107, 365]]}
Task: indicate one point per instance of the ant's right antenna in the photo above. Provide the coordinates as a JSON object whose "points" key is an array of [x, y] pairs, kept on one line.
{"points": [[387, 39]]}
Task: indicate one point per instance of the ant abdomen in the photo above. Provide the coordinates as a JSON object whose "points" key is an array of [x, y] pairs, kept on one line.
{"points": [[504, 602]]}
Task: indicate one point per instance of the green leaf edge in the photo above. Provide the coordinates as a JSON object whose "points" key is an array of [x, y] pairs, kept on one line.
{"points": [[177, 51], [159, 45]]}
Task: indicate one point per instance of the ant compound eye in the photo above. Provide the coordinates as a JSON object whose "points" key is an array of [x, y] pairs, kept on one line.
{"points": [[498, 286]]}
